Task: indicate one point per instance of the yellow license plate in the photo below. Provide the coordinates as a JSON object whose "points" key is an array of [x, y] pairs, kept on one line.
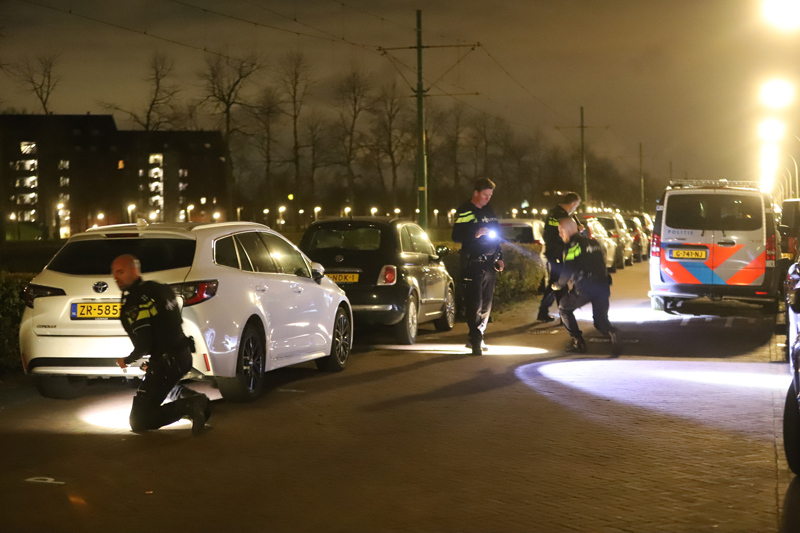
{"points": [[344, 278], [689, 254], [94, 311]]}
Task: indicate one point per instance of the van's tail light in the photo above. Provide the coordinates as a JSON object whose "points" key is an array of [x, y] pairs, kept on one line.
{"points": [[771, 248], [655, 246], [388, 275], [195, 292], [31, 292]]}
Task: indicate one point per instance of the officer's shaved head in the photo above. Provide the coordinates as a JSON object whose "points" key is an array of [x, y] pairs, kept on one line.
{"points": [[126, 270], [567, 228]]}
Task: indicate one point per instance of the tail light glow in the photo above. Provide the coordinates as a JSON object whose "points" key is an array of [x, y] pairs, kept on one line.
{"points": [[31, 292], [195, 292], [388, 275], [655, 246], [771, 248]]}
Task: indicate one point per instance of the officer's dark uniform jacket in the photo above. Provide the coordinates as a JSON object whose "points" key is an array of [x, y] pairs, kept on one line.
{"points": [[553, 244], [584, 264], [152, 320], [470, 219]]}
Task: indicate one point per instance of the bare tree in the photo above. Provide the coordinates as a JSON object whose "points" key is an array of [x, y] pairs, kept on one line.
{"points": [[316, 135], [225, 80], [160, 112], [295, 80], [392, 136], [266, 114], [352, 94], [455, 128], [37, 77]]}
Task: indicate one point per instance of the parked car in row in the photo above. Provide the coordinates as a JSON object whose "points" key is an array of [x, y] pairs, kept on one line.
{"points": [[595, 230], [715, 239], [523, 231], [389, 269], [615, 226], [641, 242], [249, 298]]}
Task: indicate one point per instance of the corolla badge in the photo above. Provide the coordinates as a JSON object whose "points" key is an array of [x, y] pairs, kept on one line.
{"points": [[339, 258], [100, 286]]}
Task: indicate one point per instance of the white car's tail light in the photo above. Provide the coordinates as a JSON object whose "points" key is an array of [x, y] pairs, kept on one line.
{"points": [[32, 292], [195, 292], [388, 275]]}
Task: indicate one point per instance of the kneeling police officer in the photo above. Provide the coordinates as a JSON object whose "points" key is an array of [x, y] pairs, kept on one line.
{"points": [[585, 266], [152, 319]]}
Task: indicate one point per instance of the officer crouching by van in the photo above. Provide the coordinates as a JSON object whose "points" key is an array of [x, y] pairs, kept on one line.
{"points": [[585, 266]]}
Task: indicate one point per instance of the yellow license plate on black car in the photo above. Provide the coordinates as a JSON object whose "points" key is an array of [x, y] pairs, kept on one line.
{"points": [[95, 311], [344, 278], [689, 254]]}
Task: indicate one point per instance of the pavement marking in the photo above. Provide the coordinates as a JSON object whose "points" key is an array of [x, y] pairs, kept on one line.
{"points": [[685, 321], [48, 480]]}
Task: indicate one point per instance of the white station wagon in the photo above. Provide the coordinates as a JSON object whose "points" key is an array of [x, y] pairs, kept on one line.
{"points": [[250, 299]]}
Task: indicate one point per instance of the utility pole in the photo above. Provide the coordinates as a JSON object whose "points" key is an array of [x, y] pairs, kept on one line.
{"points": [[641, 177], [670, 171], [422, 166], [583, 158]]}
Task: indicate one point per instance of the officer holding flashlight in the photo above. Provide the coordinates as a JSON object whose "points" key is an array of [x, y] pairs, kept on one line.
{"points": [[477, 229]]}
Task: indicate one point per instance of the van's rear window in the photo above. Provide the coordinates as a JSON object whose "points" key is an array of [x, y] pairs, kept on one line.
{"points": [[726, 212], [94, 257]]}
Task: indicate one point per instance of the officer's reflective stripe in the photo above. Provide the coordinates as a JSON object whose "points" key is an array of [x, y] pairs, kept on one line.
{"points": [[552, 221], [466, 218], [147, 310], [573, 252]]}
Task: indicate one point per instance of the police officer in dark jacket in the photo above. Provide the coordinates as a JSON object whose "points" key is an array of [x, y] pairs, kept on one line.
{"points": [[152, 320], [585, 266], [478, 231], [554, 253]]}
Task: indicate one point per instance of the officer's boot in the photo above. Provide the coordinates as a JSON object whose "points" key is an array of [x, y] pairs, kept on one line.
{"points": [[616, 341], [578, 345], [197, 412]]}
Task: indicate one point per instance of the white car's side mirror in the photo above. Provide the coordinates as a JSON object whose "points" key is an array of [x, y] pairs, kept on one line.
{"points": [[317, 271]]}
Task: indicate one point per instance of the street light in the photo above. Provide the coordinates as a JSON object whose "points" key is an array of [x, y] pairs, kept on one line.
{"points": [[373, 211], [783, 14], [777, 93], [100, 216], [316, 212], [281, 209], [131, 207], [189, 212], [346, 211], [216, 216], [771, 130], [396, 210]]}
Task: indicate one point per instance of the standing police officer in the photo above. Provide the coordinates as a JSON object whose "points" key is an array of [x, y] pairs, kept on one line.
{"points": [[585, 266], [554, 253], [478, 231], [152, 320]]}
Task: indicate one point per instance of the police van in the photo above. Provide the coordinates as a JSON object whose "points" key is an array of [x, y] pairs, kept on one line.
{"points": [[714, 239]]}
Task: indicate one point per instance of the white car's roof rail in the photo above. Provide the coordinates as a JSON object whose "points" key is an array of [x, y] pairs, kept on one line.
{"points": [[680, 184]]}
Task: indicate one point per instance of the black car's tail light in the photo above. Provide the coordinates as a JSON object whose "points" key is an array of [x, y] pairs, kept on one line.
{"points": [[32, 292], [194, 292], [388, 275]]}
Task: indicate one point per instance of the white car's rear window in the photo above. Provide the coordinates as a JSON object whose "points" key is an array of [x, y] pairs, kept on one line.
{"points": [[94, 257]]}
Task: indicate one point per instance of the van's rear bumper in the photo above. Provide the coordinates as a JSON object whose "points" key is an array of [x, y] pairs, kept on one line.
{"points": [[726, 292]]}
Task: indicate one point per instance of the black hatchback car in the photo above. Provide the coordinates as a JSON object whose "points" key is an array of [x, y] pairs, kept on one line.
{"points": [[392, 274]]}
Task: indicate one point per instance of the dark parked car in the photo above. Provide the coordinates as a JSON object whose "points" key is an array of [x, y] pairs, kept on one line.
{"points": [[641, 241], [392, 274], [791, 409]]}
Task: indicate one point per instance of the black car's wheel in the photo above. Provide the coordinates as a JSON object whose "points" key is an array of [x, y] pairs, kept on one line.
{"points": [[341, 343], [629, 261], [791, 430], [61, 387], [248, 382], [448, 318], [405, 331], [637, 257]]}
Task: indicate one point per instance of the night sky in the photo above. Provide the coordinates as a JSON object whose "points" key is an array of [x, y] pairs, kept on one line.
{"points": [[680, 76]]}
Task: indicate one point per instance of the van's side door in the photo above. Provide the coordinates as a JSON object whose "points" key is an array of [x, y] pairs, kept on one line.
{"points": [[740, 239], [687, 241]]}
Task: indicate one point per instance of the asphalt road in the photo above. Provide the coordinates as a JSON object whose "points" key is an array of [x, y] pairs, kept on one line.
{"points": [[681, 433]]}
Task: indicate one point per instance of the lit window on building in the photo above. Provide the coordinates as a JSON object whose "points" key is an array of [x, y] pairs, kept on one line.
{"points": [[63, 197], [63, 181], [157, 159], [182, 173], [27, 199], [182, 186], [120, 164], [28, 216], [63, 164], [29, 165], [27, 147], [156, 173], [141, 173], [156, 187], [28, 183]]}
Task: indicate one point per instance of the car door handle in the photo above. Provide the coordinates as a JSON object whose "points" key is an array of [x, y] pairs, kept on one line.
{"points": [[261, 288], [726, 243], [297, 288]]}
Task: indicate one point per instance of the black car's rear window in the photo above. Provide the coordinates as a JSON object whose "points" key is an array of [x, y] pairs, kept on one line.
{"points": [[94, 257], [352, 238]]}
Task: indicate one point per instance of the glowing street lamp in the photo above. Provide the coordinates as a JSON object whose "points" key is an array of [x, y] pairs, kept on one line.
{"points": [[189, 212], [216, 216], [396, 210], [346, 211], [373, 211], [514, 213], [100, 216], [316, 212], [783, 14], [777, 93], [771, 130], [131, 207], [281, 209]]}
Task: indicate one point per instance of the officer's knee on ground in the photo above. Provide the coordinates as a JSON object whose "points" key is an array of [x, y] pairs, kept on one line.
{"points": [[138, 423]]}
